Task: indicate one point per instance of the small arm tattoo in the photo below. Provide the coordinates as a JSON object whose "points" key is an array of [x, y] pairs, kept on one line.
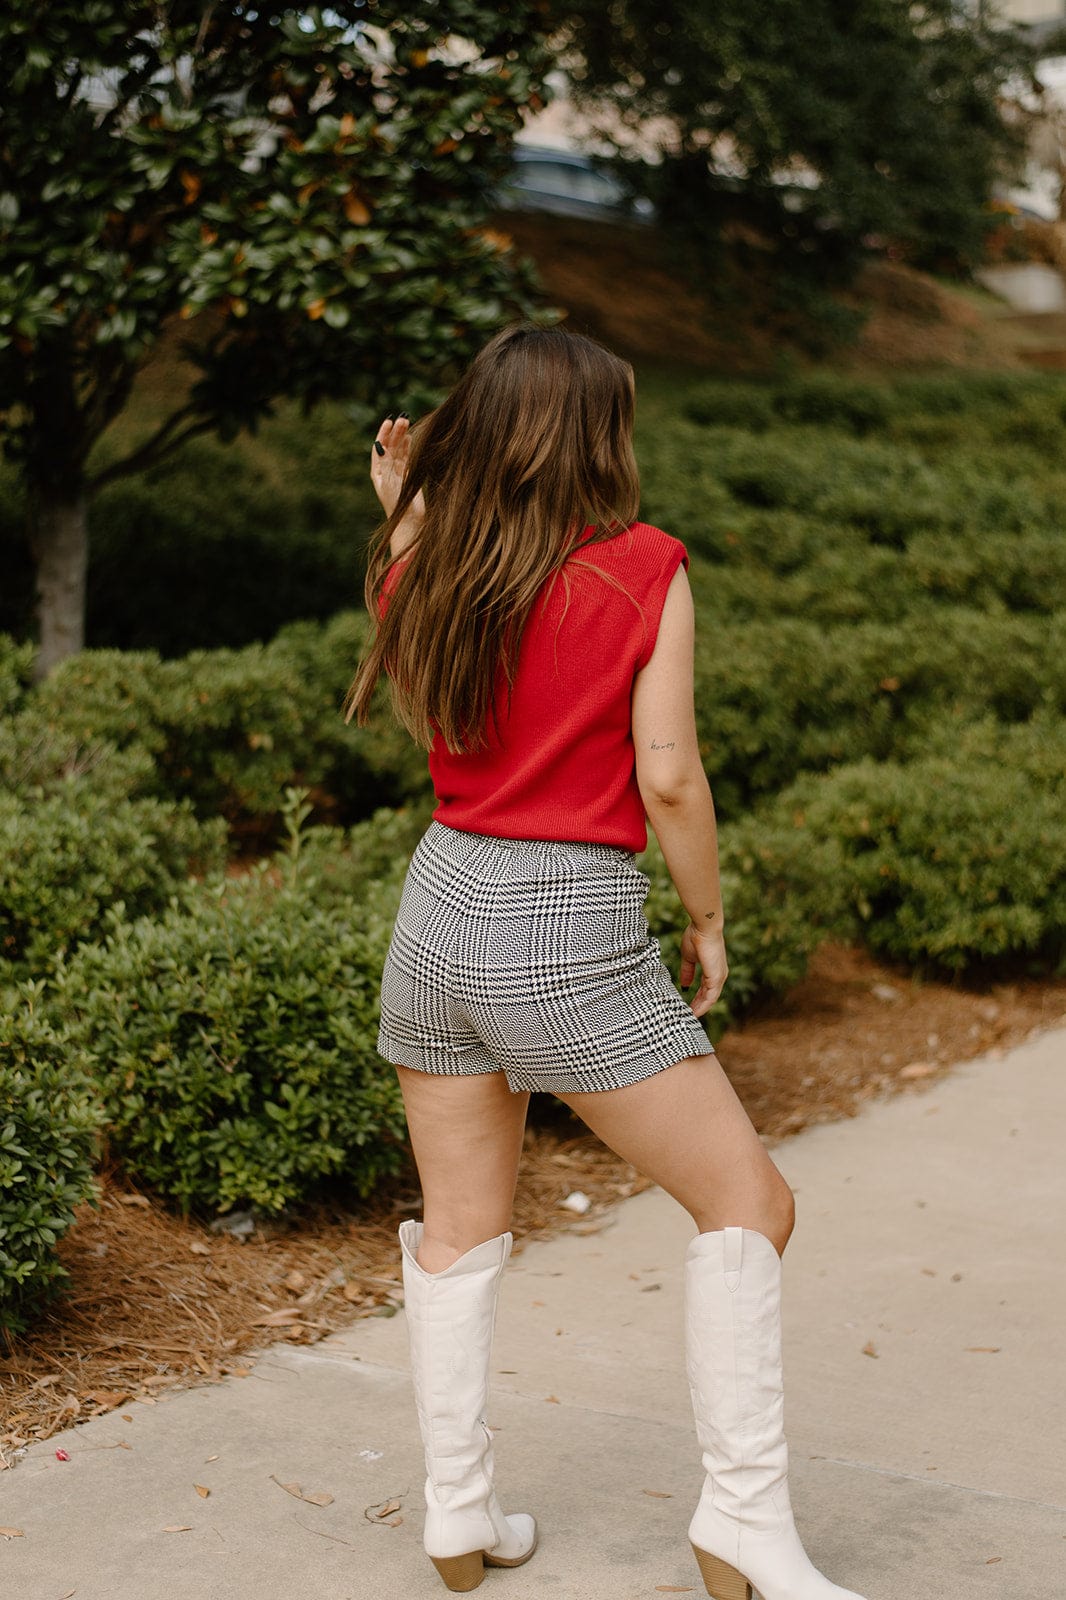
{"points": [[669, 746]]}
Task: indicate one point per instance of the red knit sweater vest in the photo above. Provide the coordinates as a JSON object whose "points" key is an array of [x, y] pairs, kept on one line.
{"points": [[563, 763]]}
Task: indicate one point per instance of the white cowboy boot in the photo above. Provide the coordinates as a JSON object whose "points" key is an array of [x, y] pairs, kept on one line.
{"points": [[450, 1321], [742, 1531]]}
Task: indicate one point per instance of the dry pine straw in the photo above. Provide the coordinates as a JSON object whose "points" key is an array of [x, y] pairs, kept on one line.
{"points": [[155, 1303]]}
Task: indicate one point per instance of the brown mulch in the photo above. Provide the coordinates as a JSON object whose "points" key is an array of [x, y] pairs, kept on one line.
{"points": [[155, 1303]]}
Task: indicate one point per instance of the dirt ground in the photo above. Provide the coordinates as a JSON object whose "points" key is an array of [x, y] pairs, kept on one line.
{"points": [[155, 1303], [623, 285]]}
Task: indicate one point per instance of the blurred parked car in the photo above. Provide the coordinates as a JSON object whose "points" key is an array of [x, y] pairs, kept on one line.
{"points": [[569, 184]]}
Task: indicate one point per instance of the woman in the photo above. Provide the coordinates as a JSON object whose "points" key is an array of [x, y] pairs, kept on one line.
{"points": [[538, 641]]}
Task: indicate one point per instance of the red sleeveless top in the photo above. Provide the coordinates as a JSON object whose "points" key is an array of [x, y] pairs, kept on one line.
{"points": [[563, 765]]}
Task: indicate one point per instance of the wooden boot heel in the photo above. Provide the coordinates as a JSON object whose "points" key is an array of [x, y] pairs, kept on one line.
{"points": [[461, 1573], [721, 1581]]}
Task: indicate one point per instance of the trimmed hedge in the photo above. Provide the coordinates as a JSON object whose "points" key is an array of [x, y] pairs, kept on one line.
{"points": [[49, 1124], [228, 730], [774, 699], [953, 863], [235, 1039], [67, 857]]}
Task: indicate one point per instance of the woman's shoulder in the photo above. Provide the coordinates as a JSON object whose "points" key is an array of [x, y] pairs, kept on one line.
{"points": [[641, 547]]}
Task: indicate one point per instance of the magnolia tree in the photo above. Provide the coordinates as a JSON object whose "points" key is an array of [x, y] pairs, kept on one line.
{"points": [[300, 191]]}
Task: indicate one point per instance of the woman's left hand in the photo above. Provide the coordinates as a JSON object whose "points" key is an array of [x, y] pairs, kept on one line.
{"points": [[388, 466]]}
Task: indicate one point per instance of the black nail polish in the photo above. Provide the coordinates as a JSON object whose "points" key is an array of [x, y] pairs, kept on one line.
{"points": [[404, 414], [379, 447], [389, 417]]}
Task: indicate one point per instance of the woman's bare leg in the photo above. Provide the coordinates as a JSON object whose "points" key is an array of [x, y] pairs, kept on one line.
{"points": [[686, 1130], [466, 1134]]}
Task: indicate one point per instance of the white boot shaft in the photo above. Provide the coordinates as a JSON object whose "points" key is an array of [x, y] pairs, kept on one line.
{"points": [[733, 1346], [450, 1320]]}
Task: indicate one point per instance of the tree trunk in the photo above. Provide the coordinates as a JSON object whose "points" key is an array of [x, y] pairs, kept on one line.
{"points": [[59, 539]]}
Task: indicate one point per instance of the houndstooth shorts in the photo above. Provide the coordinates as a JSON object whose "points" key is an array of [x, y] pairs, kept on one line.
{"points": [[530, 956]]}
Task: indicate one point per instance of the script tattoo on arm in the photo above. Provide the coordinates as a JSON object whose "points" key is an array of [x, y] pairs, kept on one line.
{"points": [[669, 746]]}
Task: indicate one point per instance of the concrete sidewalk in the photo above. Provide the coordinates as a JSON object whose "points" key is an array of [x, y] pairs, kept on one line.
{"points": [[925, 1298]]}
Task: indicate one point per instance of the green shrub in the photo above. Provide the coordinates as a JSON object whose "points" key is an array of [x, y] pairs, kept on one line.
{"points": [[720, 404], [778, 907], [49, 1121], [953, 862], [228, 730], [219, 546], [16, 661], [235, 1043], [37, 757], [66, 857], [343, 865], [832, 401], [774, 699], [987, 572]]}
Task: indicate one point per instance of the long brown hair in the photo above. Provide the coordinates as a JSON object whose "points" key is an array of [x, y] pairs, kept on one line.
{"points": [[531, 448]]}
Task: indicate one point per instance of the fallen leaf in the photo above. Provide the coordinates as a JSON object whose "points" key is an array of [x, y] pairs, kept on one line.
{"points": [[319, 1498], [178, 1527], [552, 1400], [198, 1248], [278, 1319], [658, 1494], [917, 1069], [385, 1512], [210, 1458], [12, 1533], [352, 1291], [984, 1349], [295, 1280], [124, 1444], [868, 1350], [69, 1594], [239, 1372], [126, 1417], [133, 1200], [62, 1455], [992, 1560], [201, 1491]]}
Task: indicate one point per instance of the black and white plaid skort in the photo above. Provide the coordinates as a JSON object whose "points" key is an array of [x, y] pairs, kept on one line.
{"points": [[532, 956]]}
